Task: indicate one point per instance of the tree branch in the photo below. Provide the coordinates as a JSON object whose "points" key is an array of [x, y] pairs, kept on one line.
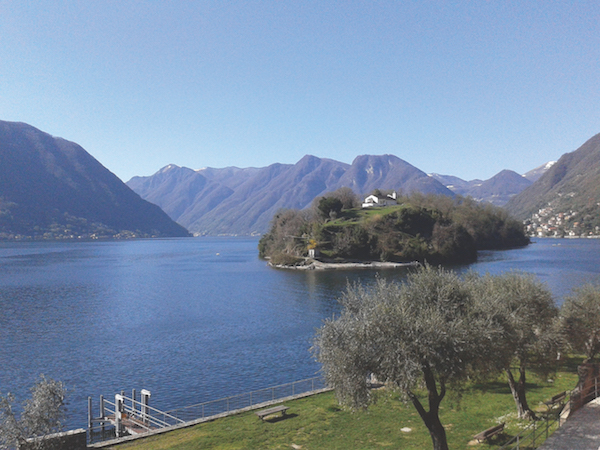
{"points": [[417, 404]]}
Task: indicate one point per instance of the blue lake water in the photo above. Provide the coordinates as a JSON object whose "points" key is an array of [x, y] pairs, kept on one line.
{"points": [[191, 320]]}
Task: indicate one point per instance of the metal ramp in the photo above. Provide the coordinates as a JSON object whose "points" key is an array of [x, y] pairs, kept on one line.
{"points": [[128, 416]]}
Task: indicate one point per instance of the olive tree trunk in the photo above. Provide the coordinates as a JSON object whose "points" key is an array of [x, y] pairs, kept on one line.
{"points": [[431, 418], [518, 392]]}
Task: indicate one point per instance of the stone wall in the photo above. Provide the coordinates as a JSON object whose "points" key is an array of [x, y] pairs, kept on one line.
{"points": [[69, 440]]}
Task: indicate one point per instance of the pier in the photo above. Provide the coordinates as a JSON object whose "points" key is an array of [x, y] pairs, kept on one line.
{"points": [[128, 416]]}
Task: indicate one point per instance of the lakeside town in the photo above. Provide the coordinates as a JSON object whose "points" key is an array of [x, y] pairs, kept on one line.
{"points": [[548, 222]]}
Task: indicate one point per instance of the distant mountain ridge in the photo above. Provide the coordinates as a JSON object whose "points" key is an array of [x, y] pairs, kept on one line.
{"points": [[498, 190], [572, 183], [243, 201], [52, 188], [535, 174]]}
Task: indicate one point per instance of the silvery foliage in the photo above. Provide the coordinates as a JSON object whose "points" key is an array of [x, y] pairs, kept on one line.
{"points": [[429, 328], [580, 315], [42, 414], [531, 338], [526, 312]]}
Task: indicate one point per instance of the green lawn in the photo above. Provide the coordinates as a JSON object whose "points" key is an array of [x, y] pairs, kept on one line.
{"points": [[318, 422], [352, 216]]}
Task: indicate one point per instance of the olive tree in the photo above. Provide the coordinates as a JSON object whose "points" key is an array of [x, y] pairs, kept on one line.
{"points": [[42, 414], [580, 314], [427, 332], [531, 338]]}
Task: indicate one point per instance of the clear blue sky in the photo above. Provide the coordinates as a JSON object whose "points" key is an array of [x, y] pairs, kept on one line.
{"points": [[462, 88]]}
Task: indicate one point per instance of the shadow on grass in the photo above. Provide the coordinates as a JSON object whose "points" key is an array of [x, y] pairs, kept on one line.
{"points": [[280, 418], [499, 439], [502, 387]]}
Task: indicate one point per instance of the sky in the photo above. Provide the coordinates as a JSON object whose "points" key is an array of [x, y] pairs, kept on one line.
{"points": [[463, 88]]}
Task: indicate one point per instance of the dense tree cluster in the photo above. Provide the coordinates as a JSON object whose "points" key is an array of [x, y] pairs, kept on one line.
{"points": [[436, 229], [41, 415], [436, 331]]}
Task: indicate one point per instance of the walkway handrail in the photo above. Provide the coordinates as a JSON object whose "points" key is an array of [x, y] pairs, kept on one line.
{"points": [[517, 441], [163, 413], [529, 432], [249, 399]]}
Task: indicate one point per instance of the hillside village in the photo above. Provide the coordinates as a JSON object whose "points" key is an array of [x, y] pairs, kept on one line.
{"points": [[548, 222]]}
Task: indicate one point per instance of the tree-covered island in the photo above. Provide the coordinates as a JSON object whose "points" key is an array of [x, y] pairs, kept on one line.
{"points": [[416, 227]]}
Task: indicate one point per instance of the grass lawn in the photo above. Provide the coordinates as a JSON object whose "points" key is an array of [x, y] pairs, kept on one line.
{"points": [[352, 216], [318, 422]]}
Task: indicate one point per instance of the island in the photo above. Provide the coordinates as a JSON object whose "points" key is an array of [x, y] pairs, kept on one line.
{"points": [[387, 229]]}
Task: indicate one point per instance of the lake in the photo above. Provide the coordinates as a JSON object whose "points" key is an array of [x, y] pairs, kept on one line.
{"points": [[192, 320]]}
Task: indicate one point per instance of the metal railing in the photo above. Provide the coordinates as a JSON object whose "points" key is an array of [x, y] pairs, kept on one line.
{"points": [[538, 431], [534, 435], [236, 402]]}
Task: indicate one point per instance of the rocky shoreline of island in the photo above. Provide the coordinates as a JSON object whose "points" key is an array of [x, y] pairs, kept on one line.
{"points": [[313, 264]]}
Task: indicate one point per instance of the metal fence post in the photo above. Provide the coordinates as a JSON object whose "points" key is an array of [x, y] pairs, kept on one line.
{"points": [[90, 413], [118, 412], [133, 396], [102, 413], [144, 410]]}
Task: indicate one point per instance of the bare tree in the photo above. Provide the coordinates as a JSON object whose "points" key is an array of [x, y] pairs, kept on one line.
{"points": [[427, 332], [580, 314], [347, 196], [526, 312], [42, 414]]}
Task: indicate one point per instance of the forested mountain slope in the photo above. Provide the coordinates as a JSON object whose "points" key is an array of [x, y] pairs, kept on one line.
{"points": [[571, 184], [52, 188]]}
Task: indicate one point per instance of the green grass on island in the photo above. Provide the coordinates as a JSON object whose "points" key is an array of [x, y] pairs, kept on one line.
{"points": [[318, 422]]}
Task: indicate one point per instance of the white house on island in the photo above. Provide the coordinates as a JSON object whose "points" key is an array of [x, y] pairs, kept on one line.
{"points": [[373, 200]]}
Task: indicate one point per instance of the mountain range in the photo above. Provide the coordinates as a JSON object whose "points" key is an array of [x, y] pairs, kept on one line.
{"points": [[52, 188], [243, 201]]}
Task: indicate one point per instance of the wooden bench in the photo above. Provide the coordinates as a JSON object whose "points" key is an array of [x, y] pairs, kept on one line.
{"points": [[557, 399], [489, 433], [267, 412]]}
